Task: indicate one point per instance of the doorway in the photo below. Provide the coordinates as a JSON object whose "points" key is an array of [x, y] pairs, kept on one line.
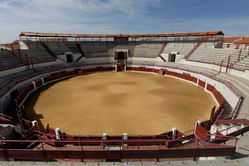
{"points": [[172, 57], [121, 57], [69, 58]]}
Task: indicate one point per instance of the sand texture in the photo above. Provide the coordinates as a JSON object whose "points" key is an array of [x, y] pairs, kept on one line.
{"points": [[120, 102]]}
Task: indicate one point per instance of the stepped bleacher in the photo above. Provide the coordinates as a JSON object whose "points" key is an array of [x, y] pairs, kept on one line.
{"points": [[97, 49], [36, 53], [206, 53], [8, 59], [181, 48], [72, 46], [147, 50], [57, 47], [243, 62]]}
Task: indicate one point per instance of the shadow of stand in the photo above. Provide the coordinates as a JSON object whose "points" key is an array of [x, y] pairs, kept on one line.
{"points": [[29, 107]]}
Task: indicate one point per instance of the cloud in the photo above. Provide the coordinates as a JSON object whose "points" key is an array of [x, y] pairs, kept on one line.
{"points": [[71, 16], [105, 16]]}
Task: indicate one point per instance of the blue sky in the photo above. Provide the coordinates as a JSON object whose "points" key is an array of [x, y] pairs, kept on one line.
{"points": [[122, 16]]}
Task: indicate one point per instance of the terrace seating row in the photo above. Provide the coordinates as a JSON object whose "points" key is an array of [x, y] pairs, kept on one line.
{"points": [[147, 50], [36, 53], [216, 56], [8, 59], [181, 48], [243, 63]]}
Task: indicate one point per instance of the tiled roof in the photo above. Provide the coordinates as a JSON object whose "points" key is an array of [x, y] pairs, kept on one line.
{"points": [[243, 41], [231, 39]]}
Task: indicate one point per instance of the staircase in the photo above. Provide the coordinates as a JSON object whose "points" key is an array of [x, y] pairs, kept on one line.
{"points": [[161, 51], [224, 129], [193, 50], [72, 45], [81, 51], [49, 50]]}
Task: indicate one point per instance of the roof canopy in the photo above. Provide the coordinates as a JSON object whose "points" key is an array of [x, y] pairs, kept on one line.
{"points": [[35, 34]]}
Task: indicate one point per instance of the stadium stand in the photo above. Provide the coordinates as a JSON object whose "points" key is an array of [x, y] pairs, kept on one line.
{"points": [[218, 56], [36, 53], [243, 62], [8, 59], [181, 48], [97, 49], [74, 47], [150, 50], [57, 47]]}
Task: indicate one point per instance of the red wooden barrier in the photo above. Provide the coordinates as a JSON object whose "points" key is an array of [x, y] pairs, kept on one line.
{"points": [[201, 83], [201, 133], [38, 83], [29, 154], [210, 87]]}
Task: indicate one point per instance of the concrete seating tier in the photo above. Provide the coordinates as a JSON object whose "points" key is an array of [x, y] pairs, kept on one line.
{"points": [[8, 59], [36, 53]]}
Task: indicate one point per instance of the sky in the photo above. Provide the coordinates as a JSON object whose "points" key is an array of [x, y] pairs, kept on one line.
{"points": [[122, 16]]}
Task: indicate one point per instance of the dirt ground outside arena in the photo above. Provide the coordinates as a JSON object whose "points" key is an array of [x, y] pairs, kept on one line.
{"points": [[136, 103]]}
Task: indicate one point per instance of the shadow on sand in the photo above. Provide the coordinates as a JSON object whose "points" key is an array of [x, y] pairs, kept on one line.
{"points": [[29, 110]]}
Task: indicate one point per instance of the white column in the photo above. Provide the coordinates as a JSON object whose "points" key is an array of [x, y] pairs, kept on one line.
{"points": [[173, 133], [125, 137], [42, 79], [206, 85], [34, 84], [57, 134], [198, 80], [104, 136]]}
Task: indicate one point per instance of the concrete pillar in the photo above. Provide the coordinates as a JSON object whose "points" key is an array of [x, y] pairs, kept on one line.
{"points": [[125, 136], [173, 133], [206, 85], [42, 79], [104, 136], [34, 84], [58, 134], [198, 80]]}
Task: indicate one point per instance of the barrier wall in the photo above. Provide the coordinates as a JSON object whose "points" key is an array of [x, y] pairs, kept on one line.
{"points": [[48, 155]]}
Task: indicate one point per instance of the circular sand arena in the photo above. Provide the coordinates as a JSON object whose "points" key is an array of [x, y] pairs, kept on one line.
{"points": [[120, 102]]}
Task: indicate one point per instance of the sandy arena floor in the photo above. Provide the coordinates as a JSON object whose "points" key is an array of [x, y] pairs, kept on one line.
{"points": [[125, 102]]}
